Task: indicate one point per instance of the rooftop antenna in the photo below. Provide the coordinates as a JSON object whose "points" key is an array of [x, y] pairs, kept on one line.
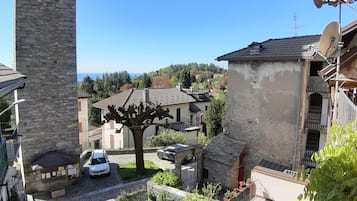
{"points": [[296, 27]]}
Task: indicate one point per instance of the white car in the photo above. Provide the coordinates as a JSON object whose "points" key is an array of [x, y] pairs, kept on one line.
{"points": [[99, 163]]}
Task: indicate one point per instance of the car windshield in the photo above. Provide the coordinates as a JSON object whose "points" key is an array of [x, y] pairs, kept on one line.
{"points": [[96, 161]]}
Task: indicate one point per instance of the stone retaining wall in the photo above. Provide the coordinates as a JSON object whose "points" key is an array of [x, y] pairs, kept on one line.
{"points": [[164, 193]]}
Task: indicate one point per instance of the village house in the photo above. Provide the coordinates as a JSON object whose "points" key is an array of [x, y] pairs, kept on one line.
{"points": [[277, 104], [90, 137], [181, 105], [283, 107], [83, 123], [10, 146]]}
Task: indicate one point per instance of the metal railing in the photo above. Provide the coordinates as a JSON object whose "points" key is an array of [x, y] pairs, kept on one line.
{"points": [[3, 160], [316, 84], [307, 158]]}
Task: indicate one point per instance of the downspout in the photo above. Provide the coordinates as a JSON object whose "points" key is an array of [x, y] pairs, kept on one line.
{"points": [[296, 131]]}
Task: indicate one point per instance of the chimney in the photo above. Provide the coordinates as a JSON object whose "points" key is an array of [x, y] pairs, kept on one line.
{"points": [[146, 95], [179, 86]]}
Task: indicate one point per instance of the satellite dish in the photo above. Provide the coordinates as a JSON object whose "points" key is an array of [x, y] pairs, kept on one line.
{"points": [[329, 40], [318, 3]]}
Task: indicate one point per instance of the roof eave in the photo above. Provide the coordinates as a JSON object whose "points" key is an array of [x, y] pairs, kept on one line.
{"points": [[19, 83]]}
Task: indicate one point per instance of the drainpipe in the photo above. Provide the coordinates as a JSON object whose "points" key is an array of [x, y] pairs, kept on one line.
{"points": [[296, 131]]}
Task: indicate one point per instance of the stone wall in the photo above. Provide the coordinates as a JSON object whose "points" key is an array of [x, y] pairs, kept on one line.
{"points": [[161, 192], [45, 36], [263, 109]]}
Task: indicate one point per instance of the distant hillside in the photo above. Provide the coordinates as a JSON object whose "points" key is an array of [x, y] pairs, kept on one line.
{"points": [[190, 75]]}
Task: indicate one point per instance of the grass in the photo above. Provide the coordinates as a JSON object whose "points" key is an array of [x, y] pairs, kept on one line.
{"points": [[127, 171]]}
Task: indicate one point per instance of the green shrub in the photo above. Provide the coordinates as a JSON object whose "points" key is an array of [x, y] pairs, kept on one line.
{"points": [[165, 138], [131, 196], [197, 197], [203, 139], [211, 190], [228, 194], [167, 178]]}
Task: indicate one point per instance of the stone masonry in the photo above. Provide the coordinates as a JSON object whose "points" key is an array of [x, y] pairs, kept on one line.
{"points": [[45, 37]]}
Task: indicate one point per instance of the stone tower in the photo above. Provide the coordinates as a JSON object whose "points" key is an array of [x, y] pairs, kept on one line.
{"points": [[45, 37]]}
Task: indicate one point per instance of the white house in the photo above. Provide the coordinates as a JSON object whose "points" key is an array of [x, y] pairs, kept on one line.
{"points": [[180, 104]]}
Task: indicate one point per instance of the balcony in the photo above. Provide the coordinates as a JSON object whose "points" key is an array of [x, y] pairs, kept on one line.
{"points": [[313, 120], [316, 84], [307, 161]]}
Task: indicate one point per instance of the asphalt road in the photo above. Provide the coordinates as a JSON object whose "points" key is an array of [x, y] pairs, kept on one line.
{"points": [[87, 185]]}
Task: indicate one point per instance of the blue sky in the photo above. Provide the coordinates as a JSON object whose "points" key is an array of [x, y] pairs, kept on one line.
{"points": [[146, 35]]}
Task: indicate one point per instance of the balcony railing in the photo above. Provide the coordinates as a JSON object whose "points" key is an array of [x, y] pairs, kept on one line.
{"points": [[307, 158], [313, 120], [3, 160], [316, 84]]}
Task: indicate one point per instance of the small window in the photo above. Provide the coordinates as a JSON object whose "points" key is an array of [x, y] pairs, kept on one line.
{"points": [[111, 124], [315, 67], [79, 106], [80, 127], [178, 114], [205, 173]]}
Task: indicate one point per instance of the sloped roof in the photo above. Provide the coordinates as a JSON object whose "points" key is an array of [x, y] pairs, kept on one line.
{"points": [[277, 49], [224, 149], [118, 100], [273, 165], [165, 97], [10, 80], [52, 159]]}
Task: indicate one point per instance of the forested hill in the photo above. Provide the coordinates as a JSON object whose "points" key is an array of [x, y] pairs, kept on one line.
{"points": [[191, 75]]}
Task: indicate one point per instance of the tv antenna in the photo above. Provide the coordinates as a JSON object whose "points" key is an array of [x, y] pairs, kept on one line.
{"points": [[296, 26]]}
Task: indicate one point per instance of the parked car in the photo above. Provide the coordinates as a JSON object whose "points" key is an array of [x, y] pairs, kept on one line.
{"points": [[99, 163], [169, 153]]}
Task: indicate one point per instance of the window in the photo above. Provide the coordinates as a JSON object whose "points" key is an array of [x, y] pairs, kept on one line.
{"points": [[79, 106], [80, 127], [111, 124], [205, 173], [178, 114], [315, 67], [191, 119], [313, 140]]}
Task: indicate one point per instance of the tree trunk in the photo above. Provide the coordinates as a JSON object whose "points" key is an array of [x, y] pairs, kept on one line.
{"points": [[139, 153]]}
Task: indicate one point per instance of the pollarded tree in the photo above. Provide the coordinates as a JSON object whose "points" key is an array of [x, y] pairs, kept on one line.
{"points": [[137, 118], [335, 177]]}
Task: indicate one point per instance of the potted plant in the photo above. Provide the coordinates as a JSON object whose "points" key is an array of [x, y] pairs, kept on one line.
{"points": [[228, 195], [249, 182]]}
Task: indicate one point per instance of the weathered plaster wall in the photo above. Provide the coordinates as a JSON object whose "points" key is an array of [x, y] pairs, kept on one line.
{"points": [[45, 38], [262, 106]]}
